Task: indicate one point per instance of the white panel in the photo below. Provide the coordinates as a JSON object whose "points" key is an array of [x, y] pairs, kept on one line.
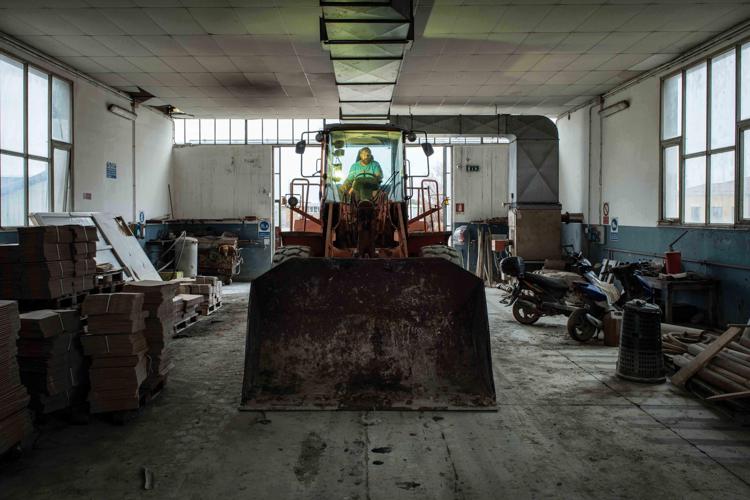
{"points": [[161, 45], [482, 193], [223, 181], [85, 45], [217, 64]]}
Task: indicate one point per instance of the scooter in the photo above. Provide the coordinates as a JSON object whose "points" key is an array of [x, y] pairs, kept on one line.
{"points": [[535, 295], [599, 298]]}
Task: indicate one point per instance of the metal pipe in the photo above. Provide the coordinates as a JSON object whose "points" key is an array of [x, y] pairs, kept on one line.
{"points": [[692, 261]]}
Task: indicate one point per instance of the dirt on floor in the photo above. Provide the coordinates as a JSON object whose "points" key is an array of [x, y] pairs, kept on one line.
{"points": [[565, 427]]}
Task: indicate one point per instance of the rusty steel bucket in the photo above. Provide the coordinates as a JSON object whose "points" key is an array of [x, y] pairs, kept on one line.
{"points": [[405, 334]]}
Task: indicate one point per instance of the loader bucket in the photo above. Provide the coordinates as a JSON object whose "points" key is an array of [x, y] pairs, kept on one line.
{"points": [[406, 334]]}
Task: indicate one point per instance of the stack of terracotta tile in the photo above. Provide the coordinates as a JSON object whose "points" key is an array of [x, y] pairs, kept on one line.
{"points": [[46, 270], [118, 350], [158, 302], [83, 250], [50, 358], [15, 422], [10, 271], [210, 288]]}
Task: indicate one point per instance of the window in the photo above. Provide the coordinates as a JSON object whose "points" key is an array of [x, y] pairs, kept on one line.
{"points": [[207, 131], [238, 132], [699, 152], [35, 142], [222, 131]]}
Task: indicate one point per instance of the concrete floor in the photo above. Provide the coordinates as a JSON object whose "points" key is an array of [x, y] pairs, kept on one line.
{"points": [[565, 428]]}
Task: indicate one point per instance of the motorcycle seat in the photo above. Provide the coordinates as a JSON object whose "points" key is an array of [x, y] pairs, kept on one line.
{"points": [[544, 281]]}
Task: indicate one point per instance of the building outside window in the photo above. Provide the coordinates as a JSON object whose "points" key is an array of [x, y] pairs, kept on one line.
{"points": [[703, 118], [35, 141]]}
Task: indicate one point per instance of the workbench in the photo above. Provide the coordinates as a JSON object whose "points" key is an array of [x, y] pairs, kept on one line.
{"points": [[669, 287]]}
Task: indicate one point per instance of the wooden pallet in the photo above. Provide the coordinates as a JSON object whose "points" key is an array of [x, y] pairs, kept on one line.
{"points": [[69, 301], [184, 324], [109, 277], [114, 287], [206, 310], [147, 392]]}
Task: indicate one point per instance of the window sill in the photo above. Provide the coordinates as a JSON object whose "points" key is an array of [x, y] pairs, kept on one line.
{"points": [[739, 226]]}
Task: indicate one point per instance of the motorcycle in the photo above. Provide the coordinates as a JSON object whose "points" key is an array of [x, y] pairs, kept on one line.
{"points": [[599, 298], [535, 295]]}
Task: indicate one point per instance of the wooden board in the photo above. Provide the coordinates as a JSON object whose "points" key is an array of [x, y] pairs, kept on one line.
{"points": [[117, 245], [729, 396], [701, 360]]}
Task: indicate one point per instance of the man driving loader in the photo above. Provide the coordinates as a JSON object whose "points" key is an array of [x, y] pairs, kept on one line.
{"points": [[365, 176]]}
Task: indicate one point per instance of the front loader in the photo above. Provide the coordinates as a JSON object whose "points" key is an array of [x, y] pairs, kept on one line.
{"points": [[364, 307]]}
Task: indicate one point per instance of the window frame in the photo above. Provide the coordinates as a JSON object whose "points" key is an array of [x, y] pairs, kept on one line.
{"points": [[708, 151], [52, 144]]}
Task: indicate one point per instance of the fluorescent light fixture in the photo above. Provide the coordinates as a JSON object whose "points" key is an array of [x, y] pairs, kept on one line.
{"points": [[122, 112], [614, 108]]}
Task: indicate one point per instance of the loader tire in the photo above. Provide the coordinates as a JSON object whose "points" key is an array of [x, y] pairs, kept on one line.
{"points": [[442, 252], [283, 254]]}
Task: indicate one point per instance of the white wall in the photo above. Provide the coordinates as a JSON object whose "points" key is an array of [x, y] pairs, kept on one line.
{"points": [[574, 162], [211, 182], [100, 136], [153, 163], [630, 154]]}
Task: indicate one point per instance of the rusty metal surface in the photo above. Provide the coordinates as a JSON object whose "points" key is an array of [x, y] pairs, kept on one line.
{"points": [[367, 334]]}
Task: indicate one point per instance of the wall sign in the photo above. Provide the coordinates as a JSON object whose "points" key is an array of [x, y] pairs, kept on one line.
{"points": [[605, 213], [264, 229], [459, 208], [614, 229], [111, 170]]}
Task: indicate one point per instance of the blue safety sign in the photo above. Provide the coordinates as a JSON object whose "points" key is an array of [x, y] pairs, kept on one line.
{"points": [[264, 229]]}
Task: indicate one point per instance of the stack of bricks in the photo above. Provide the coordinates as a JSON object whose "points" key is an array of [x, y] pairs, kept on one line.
{"points": [[210, 288], [51, 360], [158, 302], [15, 422], [46, 270], [118, 350], [83, 250]]}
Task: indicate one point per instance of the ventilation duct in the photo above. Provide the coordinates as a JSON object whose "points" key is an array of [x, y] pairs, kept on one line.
{"points": [[366, 41]]}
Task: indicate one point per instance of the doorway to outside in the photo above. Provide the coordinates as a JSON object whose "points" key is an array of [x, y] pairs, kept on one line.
{"points": [[299, 175]]}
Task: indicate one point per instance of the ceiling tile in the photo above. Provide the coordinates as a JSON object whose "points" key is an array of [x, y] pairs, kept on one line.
{"points": [[241, 45], [175, 21], [217, 64], [48, 22], [199, 45], [148, 64], [554, 62], [85, 64], [161, 45], [90, 21], [201, 79], [123, 45], [521, 18], [609, 18], [85, 45], [49, 45], [170, 79], [588, 62], [564, 18], [219, 21], [116, 64], [183, 64], [261, 20], [133, 21]]}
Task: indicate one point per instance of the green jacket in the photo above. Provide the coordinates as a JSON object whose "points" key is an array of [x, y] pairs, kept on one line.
{"points": [[364, 183]]}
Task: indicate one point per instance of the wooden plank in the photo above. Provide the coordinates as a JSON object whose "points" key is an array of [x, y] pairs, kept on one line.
{"points": [[126, 246], [686, 372], [730, 395]]}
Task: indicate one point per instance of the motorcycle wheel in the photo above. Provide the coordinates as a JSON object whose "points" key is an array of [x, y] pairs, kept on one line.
{"points": [[579, 328], [525, 315]]}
